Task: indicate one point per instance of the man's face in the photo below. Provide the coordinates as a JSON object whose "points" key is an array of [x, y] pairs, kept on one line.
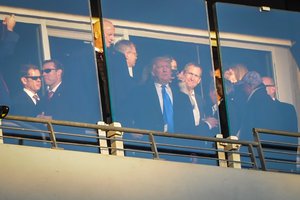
{"points": [[32, 81], [162, 71], [109, 34], [192, 77], [131, 56], [52, 76], [270, 87]]}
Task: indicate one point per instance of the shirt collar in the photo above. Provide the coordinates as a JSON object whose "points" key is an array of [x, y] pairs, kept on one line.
{"points": [[55, 88], [30, 93]]}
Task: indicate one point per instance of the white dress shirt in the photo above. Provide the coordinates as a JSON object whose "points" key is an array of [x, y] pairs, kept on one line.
{"points": [[196, 111], [31, 94]]}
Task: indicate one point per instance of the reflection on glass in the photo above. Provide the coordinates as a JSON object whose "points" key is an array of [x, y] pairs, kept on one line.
{"points": [[260, 68], [148, 61], [66, 87]]}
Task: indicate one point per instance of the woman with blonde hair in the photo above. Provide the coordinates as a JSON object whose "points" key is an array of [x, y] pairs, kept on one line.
{"points": [[235, 73]]}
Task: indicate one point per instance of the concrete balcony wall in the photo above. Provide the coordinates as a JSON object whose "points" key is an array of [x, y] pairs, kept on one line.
{"points": [[31, 173]]}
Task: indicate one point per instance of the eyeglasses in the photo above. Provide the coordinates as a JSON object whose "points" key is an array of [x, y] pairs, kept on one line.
{"points": [[34, 77], [270, 85], [47, 70]]}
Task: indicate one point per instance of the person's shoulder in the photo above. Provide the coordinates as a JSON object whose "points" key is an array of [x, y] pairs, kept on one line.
{"points": [[284, 105], [112, 52], [146, 86], [19, 95]]}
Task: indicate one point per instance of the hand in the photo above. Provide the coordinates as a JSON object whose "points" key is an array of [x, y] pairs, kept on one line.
{"points": [[180, 76], [230, 75], [10, 22], [43, 116], [213, 122], [137, 136]]}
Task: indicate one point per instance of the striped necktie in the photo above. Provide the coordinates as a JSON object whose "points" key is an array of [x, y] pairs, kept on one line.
{"points": [[36, 97]]}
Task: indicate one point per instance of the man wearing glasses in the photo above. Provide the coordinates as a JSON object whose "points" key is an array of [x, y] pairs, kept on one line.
{"points": [[27, 101], [287, 113], [56, 101]]}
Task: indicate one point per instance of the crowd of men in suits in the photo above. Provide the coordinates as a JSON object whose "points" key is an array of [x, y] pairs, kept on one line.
{"points": [[142, 105], [161, 101]]}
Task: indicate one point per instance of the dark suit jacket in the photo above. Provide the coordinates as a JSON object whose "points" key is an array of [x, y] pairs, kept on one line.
{"points": [[203, 128], [62, 105], [120, 83], [121, 86], [4, 92], [260, 112], [218, 114], [24, 106], [147, 113], [8, 41], [287, 117]]}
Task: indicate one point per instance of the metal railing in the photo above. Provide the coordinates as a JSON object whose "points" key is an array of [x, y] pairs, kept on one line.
{"points": [[116, 140], [278, 150]]}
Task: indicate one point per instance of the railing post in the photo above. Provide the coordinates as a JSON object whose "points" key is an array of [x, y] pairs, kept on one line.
{"points": [[1, 133], [153, 146], [221, 154], [102, 142], [252, 156], [260, 149], [52, 135], [234, 159], [298, 156], [117, 146]]}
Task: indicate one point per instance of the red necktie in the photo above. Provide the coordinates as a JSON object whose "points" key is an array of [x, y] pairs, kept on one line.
{"points": [[50, 94]]}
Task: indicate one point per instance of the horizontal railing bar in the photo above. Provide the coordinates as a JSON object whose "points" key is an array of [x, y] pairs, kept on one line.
{"points": [[86, 133], [281, 152], [285, 161], [277, 132], [122, 129], [24, 129]]}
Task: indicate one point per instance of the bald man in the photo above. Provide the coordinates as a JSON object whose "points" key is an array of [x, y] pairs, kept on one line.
{"points": [[109, 33], [116, 65]]}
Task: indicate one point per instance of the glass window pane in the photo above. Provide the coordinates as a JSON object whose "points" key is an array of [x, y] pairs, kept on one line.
{"points": [[45, 31], [260, 45], [260, 64], [160, 32]]}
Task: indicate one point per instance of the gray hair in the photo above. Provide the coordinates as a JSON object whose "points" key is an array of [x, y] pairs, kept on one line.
{"points": [[252, 78]]}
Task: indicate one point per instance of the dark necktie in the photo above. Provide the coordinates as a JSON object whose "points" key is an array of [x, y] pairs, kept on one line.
{"points": [[50, 94], [167, 109]]}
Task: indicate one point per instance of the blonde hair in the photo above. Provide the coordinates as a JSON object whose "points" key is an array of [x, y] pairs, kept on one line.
{"points": [[239, 70]]}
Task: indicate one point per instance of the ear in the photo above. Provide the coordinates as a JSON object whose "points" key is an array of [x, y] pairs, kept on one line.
{"points": [[23, 80], [126, 54], [59, 71]]}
